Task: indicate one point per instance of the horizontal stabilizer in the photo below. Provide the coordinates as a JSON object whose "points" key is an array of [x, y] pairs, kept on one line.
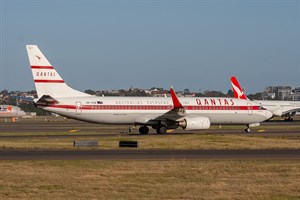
{"points": [[46, 100]]}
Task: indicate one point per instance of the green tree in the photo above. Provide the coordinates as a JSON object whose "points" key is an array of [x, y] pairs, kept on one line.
{"points": [[230, 93], [5, 92], [89, 91]]}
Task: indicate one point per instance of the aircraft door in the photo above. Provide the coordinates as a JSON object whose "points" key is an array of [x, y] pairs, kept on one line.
{"points": [[78, 108], [250, 109]]}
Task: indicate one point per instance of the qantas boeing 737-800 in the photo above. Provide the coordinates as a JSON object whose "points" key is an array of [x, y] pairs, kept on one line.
{"points": [[160, 113], [285, 109]]}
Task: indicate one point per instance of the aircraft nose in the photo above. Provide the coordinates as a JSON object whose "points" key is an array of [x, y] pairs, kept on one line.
{"points": [[268, 114], [22, 113]]}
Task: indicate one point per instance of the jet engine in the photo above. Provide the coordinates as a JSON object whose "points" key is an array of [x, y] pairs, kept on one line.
{"points": [[194, 123]]}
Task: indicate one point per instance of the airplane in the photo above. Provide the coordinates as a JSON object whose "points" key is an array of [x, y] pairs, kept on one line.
{"points": [[285, 109], [9, 111], [160, 113]]}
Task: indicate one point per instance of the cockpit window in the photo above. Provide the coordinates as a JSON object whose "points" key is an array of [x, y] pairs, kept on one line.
{"points": [[261, 108]]}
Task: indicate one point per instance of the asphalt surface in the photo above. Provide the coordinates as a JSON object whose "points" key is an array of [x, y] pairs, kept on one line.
{"points": [[128, 154], [74, 128], [52, 127]]}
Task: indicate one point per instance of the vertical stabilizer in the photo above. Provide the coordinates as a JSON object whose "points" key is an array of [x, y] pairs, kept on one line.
{"points": [[237, 90], [46, 79]]}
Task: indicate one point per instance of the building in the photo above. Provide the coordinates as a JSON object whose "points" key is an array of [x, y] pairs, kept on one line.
{"points": [[281, 93], [296, 94]]}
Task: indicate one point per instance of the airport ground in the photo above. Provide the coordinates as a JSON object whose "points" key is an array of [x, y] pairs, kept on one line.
{"points": [[38, 160], [56, 133]]}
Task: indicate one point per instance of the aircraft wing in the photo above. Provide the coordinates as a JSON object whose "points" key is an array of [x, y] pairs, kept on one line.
{"points": [[290, 111], [177, 112]]}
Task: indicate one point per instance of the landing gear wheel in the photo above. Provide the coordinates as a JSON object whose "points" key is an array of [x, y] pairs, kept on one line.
{"points": [[247, 130], [288, 119], [161, 130], [144, 130]]}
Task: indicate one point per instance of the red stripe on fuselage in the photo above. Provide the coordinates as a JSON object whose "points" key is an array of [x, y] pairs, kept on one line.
{"points": [[153, 107], [49, 81], [42, 67]]}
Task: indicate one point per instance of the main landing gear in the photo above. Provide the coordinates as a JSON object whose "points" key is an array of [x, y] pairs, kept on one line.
{"points": [[288, 119], [159, 129], [144, 130]]}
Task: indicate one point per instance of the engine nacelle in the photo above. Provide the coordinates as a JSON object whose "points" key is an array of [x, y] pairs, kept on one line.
{"points": [[254, 125], [195, 123]]}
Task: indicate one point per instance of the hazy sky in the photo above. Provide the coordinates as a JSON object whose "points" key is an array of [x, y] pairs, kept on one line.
{"points": [[187, 44]]}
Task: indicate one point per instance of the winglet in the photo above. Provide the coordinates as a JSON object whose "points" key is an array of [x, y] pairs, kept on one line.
{"points": [[237, 89], [175, 99]]}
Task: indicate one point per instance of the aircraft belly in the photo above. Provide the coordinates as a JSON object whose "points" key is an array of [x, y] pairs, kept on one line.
{"points": [[230, 118], [107, 118], [125, 117]]}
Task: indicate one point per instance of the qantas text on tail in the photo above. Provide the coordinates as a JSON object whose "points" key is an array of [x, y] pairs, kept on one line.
{"points": [[160, 113]]}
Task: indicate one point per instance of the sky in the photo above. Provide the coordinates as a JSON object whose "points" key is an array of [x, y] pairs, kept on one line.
{"points": [[199, 45]]}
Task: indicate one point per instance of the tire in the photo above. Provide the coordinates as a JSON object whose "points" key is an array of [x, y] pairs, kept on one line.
{"points": [[144, 130], [247, 130], [161, 130]]}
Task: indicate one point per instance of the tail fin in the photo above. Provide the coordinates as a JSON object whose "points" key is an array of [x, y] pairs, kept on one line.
{"points": [[47, 81], [237, 90]]}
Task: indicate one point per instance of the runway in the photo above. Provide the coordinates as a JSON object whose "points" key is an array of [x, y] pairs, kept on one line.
{"points": [[153, 154], [291, 134], [57, 127]]}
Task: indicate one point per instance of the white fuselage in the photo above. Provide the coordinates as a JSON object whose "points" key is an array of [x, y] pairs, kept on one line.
{"points": [[141, 110], [280, 108], [162, 113]]}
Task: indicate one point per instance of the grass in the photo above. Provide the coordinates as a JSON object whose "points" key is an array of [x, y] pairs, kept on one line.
{"points": [[184, 179], [205, 139], [169, 179], [191, 141]]}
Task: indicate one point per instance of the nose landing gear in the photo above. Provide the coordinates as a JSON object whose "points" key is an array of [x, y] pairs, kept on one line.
{"points": [[247, 130]]}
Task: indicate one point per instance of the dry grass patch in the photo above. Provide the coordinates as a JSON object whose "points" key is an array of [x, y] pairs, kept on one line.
{"points": [[193, 141], [210, 179]]}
